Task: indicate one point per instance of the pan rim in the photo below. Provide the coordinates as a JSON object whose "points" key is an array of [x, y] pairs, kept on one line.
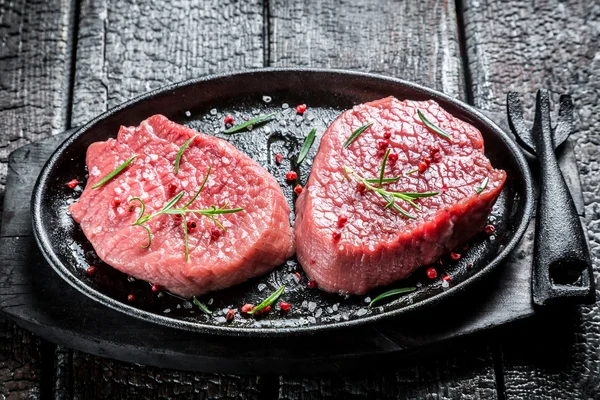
{"points": [[45, 245]]}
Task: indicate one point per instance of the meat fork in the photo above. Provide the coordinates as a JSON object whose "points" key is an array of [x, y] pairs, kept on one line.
{"points": [[562, 268]]}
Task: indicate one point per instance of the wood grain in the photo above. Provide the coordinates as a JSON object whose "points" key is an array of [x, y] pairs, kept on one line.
{"points": [[416, 41], [34, 72], [34, 82], [463, 377], [126, 48], [412, 40], [523, 46]]}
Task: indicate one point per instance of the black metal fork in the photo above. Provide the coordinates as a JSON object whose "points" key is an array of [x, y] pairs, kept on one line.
{"points": [[562, 268]]}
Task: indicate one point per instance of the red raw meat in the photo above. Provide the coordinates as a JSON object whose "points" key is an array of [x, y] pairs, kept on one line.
{"points": [[376, 246], [257, 239]]}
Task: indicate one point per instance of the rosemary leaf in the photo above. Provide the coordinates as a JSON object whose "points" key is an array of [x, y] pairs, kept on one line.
{"points": [[269, 300], [382, 170], [187, 242], [356, 134], [180, 152], [412, 171], [202, 307], [251, 122], [432, 127], [308, 142], [114, 173], [149, 236], [201, 187], [482, 185], [390, 293], [171, 203], [384, 180], [418, 195], [142, 209]]}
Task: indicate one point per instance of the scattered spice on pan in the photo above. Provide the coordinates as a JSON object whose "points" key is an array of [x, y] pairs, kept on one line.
{"points": [[301, 109], [298, 276], [489, 229], [278, 158], [91, 271], [266, 304], [390, 293], [298, 189], [311, 284], [228, 121], [431, 273], [455, 256], [291, 176], [230, 315], [246, 308], [251, 123], [72, 184], [131, 298], [308, 142], [202, 306], [285, 306], [156, 289]]}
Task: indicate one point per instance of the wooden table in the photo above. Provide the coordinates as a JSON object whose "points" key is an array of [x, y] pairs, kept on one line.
{"points": [[63, 61]]}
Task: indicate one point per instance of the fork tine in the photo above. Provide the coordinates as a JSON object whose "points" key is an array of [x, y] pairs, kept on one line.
{"points": [[517, 122], [564, 124]]}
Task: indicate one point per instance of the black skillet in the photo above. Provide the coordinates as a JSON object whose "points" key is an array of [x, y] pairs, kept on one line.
{"points": [[202, 104]]}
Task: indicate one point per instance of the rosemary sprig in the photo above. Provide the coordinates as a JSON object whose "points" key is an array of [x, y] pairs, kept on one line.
{"points": [[432, 127], [412, 171], [390, 196], [251, 122], [392, 292], [482, 185], [308, 142], [202, 306], [268, 301], [180, 152], [382, 169], [356, 134], [114, 173], [168, 209]]}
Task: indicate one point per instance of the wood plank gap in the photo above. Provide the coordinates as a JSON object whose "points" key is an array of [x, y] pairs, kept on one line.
{"points": [[462, 45], [72, 43], [47, 351], [268, 387], [266, 33], [498, 361]]}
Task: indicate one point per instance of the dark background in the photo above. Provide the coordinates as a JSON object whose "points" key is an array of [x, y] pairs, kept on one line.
{"points": [[63, 62]]}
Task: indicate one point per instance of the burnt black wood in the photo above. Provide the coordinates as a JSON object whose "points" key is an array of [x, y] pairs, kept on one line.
{"points": [[521, 46], [562, 268], [37, 299]]}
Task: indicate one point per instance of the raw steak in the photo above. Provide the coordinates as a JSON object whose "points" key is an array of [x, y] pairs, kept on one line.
{"points": [[257, 239], [377, 246]]}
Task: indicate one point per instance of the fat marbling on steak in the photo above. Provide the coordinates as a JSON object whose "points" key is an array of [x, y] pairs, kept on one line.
{"points": [[377, 246], [256, 240]]}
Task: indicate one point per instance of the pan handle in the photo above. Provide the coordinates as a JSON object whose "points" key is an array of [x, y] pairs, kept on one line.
{"points": [[561, 255]]}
